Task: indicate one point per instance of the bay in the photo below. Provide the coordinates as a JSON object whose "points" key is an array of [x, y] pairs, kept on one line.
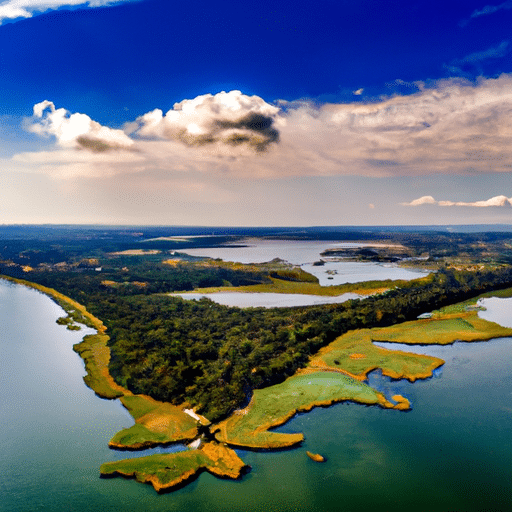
{"points": [[452, 451], [304, 253]]}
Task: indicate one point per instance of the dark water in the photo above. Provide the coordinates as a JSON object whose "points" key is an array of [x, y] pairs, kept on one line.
{"points": [[452, 452]]}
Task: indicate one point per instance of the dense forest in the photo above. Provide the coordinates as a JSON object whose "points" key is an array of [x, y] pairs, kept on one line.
{"points": [[212, 356]]}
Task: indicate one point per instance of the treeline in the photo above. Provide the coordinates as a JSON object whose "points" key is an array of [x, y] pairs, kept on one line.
{"points": [[212, 356], [142, 277]]}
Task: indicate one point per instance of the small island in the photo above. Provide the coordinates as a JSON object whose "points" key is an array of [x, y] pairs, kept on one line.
{"points": [[315, 456]]}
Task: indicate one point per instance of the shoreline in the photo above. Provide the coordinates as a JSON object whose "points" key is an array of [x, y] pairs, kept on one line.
{"points": [[334, 374]]}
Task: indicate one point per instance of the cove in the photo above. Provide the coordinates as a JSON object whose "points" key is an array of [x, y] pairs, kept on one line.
{"points": [[451, 452]]}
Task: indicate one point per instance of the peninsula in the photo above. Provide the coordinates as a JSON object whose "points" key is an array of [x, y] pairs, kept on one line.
{"points": [[218, 378]]}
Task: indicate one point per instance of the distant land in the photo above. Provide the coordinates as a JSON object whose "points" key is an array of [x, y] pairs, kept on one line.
{"points": [[219, 377]]}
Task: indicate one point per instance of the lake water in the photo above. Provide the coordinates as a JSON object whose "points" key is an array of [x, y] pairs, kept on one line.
{"points": [[267, 300], [305, 253], [452, 452]]}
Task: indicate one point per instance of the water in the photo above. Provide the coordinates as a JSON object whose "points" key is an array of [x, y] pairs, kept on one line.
{"points": [[268, 300], [305, 253], [497, 310], [451, 452]]}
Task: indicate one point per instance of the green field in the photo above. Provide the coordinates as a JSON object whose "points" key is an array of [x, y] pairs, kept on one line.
{"points": [[275, 405], [442, 329], [355, 353]]}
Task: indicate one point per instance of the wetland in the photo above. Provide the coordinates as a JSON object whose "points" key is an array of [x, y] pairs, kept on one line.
{"points": [[354, 353]]}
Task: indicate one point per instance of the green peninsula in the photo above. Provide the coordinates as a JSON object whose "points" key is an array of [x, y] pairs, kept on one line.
{"points": [[219, 377]]}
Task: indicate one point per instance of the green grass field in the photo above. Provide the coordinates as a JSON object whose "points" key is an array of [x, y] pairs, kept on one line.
{"points": [[442, 329], [355, 353], [274, 405]]}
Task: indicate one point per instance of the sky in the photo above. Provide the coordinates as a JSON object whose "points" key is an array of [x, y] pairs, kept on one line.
{"points": [[250, 113]]}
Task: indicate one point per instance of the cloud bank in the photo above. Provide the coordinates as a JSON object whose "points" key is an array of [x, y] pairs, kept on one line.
{"points": [[448, 127], [12, 9], [497, 201]]}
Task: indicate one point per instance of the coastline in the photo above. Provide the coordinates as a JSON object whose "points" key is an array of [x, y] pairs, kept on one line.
{"points": [[322, 383]]}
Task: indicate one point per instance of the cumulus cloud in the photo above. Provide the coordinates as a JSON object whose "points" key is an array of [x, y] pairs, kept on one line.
{"points": [[76, 130], [224, 119], [448, 127], [497, 201], [12, 9]]}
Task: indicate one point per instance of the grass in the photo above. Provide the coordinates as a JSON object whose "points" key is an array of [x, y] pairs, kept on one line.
{"points": [[306, 288], [155, 423], [443, 329], [354, 353], [275, 405], [96, 355], [167, 471]]}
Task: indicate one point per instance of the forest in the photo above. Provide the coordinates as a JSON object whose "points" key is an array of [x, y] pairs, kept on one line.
{"points": [[213, 356]]}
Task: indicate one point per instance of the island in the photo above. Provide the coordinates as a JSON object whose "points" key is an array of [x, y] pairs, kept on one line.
{"points": [[219, 378]]}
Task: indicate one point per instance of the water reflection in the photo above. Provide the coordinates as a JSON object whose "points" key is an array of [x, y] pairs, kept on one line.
{"points": [[267, 300], [305, 253], [496, 310]]}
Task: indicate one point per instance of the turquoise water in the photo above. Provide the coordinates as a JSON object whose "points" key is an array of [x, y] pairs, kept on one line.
{"points": [[452, 452]]}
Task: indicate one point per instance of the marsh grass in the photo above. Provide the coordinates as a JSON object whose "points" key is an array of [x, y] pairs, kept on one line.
{"points": [[273, 406], [355, 354], [167, 471], [155, 423]]}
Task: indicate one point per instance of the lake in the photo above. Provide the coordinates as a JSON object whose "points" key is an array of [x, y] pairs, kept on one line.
{"points": [[305, 253], [267, 300], [452, 451]]}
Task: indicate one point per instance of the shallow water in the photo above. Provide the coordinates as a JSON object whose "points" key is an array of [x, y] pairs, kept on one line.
{"points": [[451, 452]]}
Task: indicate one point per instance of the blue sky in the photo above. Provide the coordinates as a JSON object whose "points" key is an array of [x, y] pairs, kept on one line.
{"points": [[360, 112]]}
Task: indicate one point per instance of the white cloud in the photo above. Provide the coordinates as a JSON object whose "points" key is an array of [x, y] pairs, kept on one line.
{"points": [[449, 127], [226, 119], [421, 200], [12, 9], [497, 201], [76, 130]]}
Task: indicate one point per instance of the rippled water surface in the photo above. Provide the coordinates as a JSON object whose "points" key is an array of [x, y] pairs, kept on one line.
{"points": [[451, 452]]}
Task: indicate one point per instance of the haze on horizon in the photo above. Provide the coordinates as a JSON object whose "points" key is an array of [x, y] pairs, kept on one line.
{"points": [[341, 113]]}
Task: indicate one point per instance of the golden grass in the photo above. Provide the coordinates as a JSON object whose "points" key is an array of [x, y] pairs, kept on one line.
{"points": [[155, 423], [443, 329], [165, 472]]}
